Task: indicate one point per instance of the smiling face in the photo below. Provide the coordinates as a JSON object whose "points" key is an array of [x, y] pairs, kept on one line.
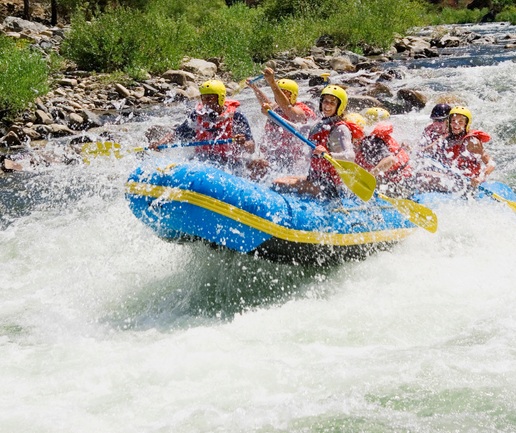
{"points": [[458, 123], [329, 105]]}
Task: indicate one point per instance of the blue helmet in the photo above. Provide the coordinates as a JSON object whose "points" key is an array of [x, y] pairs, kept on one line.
{"points": [[440, 112]]}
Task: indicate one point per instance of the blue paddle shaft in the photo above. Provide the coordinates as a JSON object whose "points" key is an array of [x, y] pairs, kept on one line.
{"points": [[254, 80], [289, 128]]}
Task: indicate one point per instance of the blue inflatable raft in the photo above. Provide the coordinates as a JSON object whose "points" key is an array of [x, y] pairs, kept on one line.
{"points": [[187, 201]]}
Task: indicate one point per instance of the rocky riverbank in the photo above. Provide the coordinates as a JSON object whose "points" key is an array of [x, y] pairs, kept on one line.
{"points": [[79, 100]]}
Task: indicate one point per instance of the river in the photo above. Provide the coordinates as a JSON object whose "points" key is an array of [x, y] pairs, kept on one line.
{"points": [[105, 327]]}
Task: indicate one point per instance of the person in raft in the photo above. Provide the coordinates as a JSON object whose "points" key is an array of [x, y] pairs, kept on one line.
{"points": [[462, 148], [428, 144], [381, 155], [280, 147], [331, 135], [215, 118]]}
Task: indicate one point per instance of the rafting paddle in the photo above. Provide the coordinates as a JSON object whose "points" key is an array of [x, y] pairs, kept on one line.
{"points": [[414, 212], [108, 148], [242, 84], [359, 181]]}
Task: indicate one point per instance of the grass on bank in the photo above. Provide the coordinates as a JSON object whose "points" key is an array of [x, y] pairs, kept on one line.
{"points": [[23, 76], [156, 38]]}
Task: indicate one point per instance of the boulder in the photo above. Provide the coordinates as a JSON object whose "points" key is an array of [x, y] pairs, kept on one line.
{"points": [[18, 25], [358, 103], [122, 91], [59, 130], [305, 74], [75, 121], [91, 120], [342, 63], [178, 77], [43, 118], [201, 67], [11, 139], [412, 98], [448, 41], [304, 63], [67, 82]]}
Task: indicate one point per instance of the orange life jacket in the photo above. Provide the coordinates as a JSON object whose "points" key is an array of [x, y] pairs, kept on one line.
{"points": [[280, 141], [221, 129], [401, 168]]}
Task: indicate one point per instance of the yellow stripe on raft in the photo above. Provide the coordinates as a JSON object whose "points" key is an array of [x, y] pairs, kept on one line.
{"points": [[237, 214]]}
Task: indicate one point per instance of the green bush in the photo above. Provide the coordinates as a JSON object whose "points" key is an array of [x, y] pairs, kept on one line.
{"points": [[23, 76], [456, 16], [508, 14], [122, 38]]}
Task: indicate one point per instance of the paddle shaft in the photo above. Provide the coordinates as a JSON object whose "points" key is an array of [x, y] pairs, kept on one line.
{"points": [[194, 143]]}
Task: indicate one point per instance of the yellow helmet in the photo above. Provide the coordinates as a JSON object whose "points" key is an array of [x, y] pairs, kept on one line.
{"points": [[376, 114], [339, 93], [214, 87], [291, 86], [356, 118], [464, 111]]}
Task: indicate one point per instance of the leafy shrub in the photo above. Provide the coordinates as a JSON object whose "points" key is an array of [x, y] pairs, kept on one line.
{"points": [[508, 14], [123, 38], [456, 16], [23, 76]]}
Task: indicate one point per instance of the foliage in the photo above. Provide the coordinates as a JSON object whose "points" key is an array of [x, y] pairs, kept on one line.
{"points": [[508, 14], [23, 76], [455, 16], [123, 38]]}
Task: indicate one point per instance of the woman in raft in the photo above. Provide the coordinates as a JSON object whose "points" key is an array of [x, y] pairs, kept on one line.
{"points": [[332, 135]]}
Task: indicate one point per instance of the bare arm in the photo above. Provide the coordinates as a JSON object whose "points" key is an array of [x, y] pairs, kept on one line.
{"points": [[383, 165], [296, 114]]}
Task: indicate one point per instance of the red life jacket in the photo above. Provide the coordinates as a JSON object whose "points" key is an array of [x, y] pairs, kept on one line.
{"points": [[221, 129], [401, 168], [470, 164], [319, 166], [279, 140], [454, 145], [357, 133]]}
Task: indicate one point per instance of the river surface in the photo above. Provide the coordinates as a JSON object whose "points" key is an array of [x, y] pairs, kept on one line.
{"points": [[105, 327]]}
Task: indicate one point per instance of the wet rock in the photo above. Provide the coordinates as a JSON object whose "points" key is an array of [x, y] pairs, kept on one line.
{"points": [[305, 74], [91, 120], [510, 46], [358, 103], [11, 139], [29, 133], [60, 92], [201, 67], [412, 98], [379, 89], [304, 63], [178, 77], [342, 63], [149, 90], [138, 92], [192, 91], [367, 66], [58, 130], [325, 41], [43, 118], [448, 41], [273, 64], [75, 121], [484, 40]]}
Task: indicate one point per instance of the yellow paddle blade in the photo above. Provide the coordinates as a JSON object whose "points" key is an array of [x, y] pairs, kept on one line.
{"points": [[359, 181], [511, 204], [92, 150], [414, 212], [240, 87]]}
